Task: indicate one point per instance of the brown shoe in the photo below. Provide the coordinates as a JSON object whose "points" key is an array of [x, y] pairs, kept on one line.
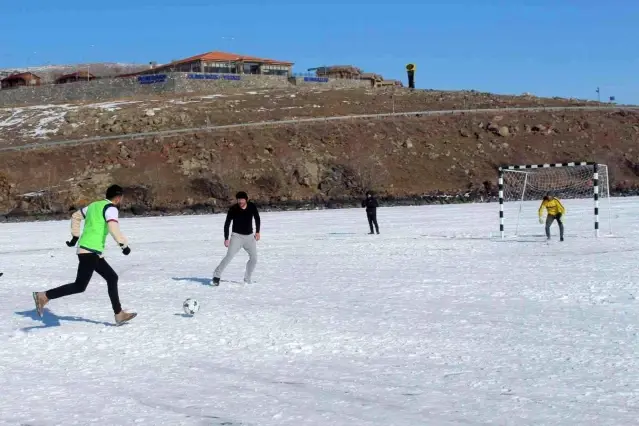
{"points": [[124, 317], [40, 300]]}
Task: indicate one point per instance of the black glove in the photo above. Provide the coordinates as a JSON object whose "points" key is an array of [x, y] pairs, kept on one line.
{"points": [[72, 242], [125, 250]]}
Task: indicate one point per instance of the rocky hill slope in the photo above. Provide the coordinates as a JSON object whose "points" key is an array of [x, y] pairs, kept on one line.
{"points": [[319, 163], [48, 73]]}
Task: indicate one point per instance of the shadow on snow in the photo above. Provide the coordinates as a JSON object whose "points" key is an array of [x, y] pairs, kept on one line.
{"points": [[49, 319], [203, 281]]}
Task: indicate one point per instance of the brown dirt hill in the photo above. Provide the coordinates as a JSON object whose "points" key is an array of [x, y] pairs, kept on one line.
{"points": [[319, 163], [54, 122]]}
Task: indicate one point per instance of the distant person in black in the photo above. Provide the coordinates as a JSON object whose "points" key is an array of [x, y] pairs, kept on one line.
{"points": [[242, 215], [371, 211]]}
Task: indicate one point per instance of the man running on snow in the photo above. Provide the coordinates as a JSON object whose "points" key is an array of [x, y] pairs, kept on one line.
{"points": [[242, 215], [100, 220]]}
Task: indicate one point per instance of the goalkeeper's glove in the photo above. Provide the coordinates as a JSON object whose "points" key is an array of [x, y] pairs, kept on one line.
{"points": [[73, 241], [125, 249], [541, 220]]}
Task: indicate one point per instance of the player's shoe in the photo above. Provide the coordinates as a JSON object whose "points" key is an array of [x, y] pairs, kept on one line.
{"points": [[124, 317], [216, 281], [40, 301]]}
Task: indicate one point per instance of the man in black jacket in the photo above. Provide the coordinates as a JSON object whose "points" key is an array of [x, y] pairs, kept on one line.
{"points": [[371, 211], [242, 215]]}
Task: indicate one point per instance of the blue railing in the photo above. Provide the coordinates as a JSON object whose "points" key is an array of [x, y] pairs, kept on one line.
{"points": [[152, 79], [233, 77], [316, 79]]}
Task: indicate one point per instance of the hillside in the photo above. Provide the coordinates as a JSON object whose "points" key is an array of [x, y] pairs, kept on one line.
{"points": [[70, 121], [320, 162], [48, 73]]}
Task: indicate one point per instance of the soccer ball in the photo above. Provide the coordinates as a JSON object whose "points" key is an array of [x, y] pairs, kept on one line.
{"points": [[191, 306]]}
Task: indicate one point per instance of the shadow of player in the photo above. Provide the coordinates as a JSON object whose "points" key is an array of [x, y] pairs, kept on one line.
{"points": [[49, 319], [203, 281]]}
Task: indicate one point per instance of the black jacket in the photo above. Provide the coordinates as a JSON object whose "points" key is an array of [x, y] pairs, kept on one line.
{"points": [[371, 204], [242, 220]]}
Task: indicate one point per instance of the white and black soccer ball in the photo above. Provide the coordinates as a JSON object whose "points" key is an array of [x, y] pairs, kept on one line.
{"points": [[191, 306]]}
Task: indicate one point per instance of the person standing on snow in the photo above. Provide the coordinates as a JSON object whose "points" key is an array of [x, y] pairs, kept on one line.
{"points": [[556, 211], [100, 220], [241, 214], [371, 211]]}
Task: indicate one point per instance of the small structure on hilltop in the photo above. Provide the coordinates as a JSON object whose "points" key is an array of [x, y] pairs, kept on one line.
{"points": [[76, 76], [222, 63], [338, 71], [20, 80], [354, 73], [388, 83]]}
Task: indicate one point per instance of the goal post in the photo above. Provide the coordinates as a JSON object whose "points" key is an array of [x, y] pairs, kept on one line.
{"points": [[524, 186]]}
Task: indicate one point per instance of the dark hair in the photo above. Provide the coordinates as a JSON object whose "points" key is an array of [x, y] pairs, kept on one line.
{"points": [[241, 195], [114, 191]]}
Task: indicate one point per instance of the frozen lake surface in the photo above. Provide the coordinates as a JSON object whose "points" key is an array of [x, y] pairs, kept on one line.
{"points": [[432, 322]]}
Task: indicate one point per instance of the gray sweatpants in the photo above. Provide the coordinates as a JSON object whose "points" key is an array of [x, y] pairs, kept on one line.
{"points": [[239, 241], [549, 220]]}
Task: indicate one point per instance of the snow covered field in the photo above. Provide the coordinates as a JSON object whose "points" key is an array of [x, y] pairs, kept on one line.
{"points": [[430, 323]]}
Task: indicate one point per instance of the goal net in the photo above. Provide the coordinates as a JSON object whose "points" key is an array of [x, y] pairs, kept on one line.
{"points": [[581, 187]]}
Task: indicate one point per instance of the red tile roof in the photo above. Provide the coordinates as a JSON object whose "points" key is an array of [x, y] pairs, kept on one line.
{"points": [[212, 57], [224, 56]]}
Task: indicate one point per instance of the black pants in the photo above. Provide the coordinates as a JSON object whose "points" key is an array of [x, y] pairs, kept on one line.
{"points": [[372, 220], [90, 263], [549, 220]]}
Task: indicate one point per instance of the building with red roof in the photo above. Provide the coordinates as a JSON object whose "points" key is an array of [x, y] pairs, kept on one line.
{"points": [[222, 63], [19, 80], [76, 76]]}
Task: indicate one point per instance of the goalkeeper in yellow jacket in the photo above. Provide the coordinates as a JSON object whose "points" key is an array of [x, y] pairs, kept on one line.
{"points": [[556, 211]]}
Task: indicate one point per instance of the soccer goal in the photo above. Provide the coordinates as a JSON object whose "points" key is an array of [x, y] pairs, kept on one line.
{"points": [[576, 184]]}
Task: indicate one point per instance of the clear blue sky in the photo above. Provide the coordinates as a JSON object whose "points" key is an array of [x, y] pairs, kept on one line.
{"points": [[546, 47]]}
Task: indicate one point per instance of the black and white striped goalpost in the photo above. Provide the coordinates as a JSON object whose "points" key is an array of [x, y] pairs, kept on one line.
{"points": [[595, 184]]}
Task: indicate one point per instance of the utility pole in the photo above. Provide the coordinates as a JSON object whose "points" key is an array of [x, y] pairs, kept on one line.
{"points": [[598, 95], [89, 65]]}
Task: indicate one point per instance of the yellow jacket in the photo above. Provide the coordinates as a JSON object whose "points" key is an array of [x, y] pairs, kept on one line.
{"points": [[553, 207]]}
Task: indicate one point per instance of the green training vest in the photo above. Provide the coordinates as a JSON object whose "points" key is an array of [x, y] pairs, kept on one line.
{"points": [[95, 229]]}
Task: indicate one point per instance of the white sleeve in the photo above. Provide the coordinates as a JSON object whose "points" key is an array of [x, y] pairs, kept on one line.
{"points": [[83, 210], [111, 214]]}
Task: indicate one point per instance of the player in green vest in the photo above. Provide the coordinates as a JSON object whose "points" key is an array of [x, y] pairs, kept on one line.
{"points": [[100, 220]]}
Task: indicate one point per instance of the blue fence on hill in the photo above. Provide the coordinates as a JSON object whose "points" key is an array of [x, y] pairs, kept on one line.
{"points": [[152, 79], [316, 79], [231, 77]]}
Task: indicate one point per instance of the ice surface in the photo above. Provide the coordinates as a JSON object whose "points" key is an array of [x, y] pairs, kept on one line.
{"points": [[430, 323]]}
